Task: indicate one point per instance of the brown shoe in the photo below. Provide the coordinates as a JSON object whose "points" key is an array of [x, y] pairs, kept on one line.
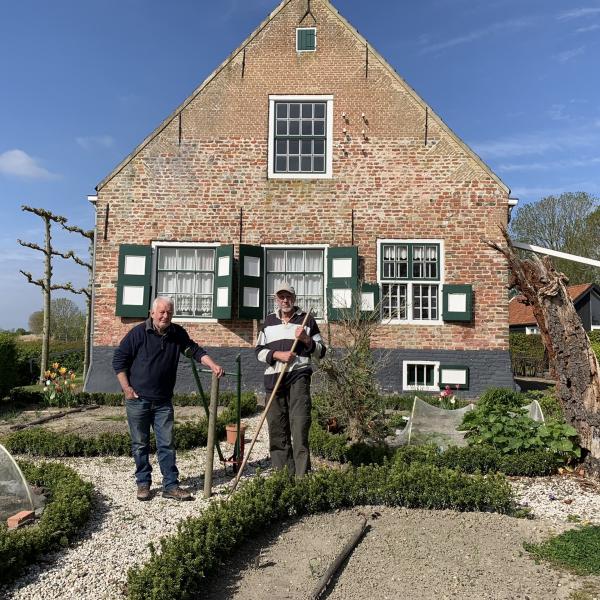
{"points": [[143, 492], [176, 493]]}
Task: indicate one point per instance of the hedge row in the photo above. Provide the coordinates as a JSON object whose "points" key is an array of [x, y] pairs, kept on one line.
{"points": [[204, 543], [38, 441], [20, 395], [8, 357], [471, 459], [68, 354], [67, 511]]}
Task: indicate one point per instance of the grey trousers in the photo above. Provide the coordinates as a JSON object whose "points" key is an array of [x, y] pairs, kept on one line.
{"points": [[289, 421]]}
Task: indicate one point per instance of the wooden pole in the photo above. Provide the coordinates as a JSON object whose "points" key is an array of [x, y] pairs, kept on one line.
{"points": [[210, 444], [267, 407]]}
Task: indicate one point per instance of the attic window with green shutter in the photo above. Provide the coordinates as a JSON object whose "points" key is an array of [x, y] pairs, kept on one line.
{"points": [[306, 39]]}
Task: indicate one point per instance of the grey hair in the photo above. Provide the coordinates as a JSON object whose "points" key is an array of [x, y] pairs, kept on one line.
{"points": [[163, 300]]}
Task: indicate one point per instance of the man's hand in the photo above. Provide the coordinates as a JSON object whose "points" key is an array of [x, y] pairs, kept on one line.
{"points": [[303, 336], [207, 361], [284, 356], [130, 393]]}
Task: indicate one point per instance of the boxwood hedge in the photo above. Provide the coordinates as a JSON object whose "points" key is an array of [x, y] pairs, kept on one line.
{"points": [[203, 543], [68, 509]]}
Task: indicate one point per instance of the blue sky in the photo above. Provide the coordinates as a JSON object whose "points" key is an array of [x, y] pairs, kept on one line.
{"points": [[84, 82]]}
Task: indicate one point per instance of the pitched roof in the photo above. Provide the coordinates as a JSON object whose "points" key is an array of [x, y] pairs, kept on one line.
{"points": [[272, 15], [522, 314]]}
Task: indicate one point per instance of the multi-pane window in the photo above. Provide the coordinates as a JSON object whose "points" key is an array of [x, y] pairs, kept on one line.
{"points": [[300, 143], [186, 275], [406, 270], [420, 375], [303, 270]]}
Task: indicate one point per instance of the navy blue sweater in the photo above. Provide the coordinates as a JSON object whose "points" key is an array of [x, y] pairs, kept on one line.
{"points": [[150, 359]]}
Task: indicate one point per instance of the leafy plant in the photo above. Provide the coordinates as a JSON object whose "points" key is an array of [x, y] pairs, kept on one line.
{"points": [[499, 421], [8, 356], [577, 549]]}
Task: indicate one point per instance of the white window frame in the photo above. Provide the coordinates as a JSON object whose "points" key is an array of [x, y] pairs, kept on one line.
{"points": [[328, 174], [296, 41], [421, 388], [167, 244], [409, 282], [532, 330], [323, 247]]}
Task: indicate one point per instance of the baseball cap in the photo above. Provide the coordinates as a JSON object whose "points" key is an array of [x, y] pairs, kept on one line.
{"points": [[285, 287]]}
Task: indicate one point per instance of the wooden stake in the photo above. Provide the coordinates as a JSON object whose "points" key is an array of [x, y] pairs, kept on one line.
{"points": [[210, 444]]}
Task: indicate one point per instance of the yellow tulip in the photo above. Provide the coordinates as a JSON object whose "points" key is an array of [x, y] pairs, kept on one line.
{"points": [[62, 370]]}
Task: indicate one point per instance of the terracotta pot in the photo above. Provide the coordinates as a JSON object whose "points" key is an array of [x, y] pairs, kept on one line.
{"points": [[231, 431]]}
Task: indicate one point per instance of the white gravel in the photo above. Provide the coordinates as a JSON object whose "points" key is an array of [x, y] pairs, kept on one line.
{"points": [[121, 527]]}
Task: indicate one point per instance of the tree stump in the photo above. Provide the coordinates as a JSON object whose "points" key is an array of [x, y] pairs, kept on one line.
{"points": [[573, 363]]}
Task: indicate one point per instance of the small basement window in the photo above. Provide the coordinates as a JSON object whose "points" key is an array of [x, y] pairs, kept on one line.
{"points": [[306, 39]]}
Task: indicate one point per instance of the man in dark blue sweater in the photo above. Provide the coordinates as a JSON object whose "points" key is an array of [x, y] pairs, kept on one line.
{"points": [[146, 366]]}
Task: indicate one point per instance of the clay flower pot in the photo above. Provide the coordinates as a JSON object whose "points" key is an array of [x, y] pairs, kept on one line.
{"points": [[231, 430]]}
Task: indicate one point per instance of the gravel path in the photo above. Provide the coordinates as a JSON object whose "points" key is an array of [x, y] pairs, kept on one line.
{"points": [[410, 554]]}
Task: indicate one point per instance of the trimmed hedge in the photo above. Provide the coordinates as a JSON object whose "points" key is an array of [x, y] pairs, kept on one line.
{"points": [[68, 354], [472, 459], [38, 441], [204, 543], [528, 345], [8, 358], [66, 512], [22, 395]]}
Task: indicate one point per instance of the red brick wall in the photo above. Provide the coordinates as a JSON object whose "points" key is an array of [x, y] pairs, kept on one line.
{"points": [[398, 187]]}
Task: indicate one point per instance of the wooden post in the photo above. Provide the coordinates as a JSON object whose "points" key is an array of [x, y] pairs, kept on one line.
{"points": [[210, 444]]}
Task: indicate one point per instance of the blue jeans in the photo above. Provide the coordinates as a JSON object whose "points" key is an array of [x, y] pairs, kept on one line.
{"points": [[141, 414]]}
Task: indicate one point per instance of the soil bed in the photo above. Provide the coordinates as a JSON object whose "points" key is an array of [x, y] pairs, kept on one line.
{"points": [[409, 554]]}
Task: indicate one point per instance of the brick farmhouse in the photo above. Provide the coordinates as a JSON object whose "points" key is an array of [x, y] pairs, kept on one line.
{"points": [[305, 157]]}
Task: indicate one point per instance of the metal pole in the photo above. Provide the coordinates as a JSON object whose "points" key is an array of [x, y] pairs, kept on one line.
{"points": [[238, 443], [210, 445]]}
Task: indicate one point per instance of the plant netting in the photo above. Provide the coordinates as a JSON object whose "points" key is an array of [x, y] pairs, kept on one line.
{"points": [[534, 412], [15, 495], [429, 424]]}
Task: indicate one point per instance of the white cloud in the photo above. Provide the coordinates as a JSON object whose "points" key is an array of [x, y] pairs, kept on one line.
{"points": [[20, 164], [550, 165], [503, 27], [95, 141], [536, 143], [567, 55], [588, 28], [578, 13]]}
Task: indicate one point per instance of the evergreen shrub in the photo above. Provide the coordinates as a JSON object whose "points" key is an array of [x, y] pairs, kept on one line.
{"points": [[67, 510], [8, 360], [177, 569]]}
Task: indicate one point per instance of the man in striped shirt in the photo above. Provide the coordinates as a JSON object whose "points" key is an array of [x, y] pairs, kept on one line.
{"points": [[289, 416]]}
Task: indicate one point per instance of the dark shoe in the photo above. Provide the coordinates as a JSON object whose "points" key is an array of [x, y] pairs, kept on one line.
{"points": [[176, 493], [143, 492]]}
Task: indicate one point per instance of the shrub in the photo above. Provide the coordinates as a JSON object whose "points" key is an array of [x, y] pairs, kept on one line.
{"points": [[69, 354], [578, 550], [8, 360], [527, 345], [499, 421], [37, 441], [203, 543], [67, 511]]}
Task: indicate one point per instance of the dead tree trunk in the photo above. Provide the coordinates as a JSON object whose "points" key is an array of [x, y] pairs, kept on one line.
{"points": [[573, 363]]}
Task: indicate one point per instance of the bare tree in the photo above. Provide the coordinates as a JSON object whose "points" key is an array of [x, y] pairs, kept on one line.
{"points": [[45, 282], [572, 360]]}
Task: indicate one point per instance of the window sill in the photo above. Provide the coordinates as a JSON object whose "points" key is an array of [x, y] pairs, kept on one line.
{"points": [[411, 322], [293, 176], [194, 320]]}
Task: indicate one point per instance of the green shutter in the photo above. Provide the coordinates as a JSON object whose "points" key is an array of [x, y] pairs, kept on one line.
{"points": [[133, 283], [369, 294], [342, 281], [454, 375], [222, 293], [251, 282], [306, 39], [458, 303]]}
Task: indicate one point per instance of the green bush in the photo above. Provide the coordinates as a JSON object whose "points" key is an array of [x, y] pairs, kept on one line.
{"points": [[8, 360], [203, 543], [69, 354], [67, 511], [577, 550], [548, 402], [527, 345], [499, 421], [37, 441]]}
